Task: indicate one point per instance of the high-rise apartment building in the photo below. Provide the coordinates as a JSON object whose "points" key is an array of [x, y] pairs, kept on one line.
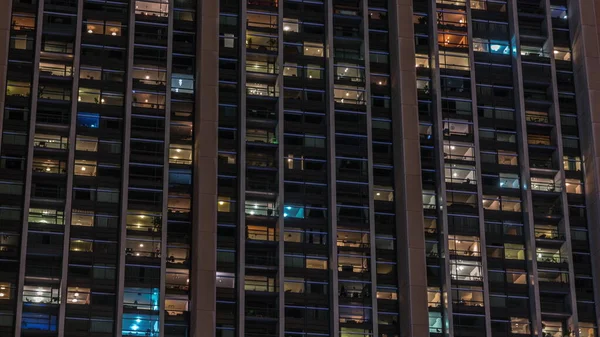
{"points": [[299, 168]]}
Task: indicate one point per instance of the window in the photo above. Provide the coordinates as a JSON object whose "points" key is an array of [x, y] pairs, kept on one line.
{"points": [[225, 280], [76, 295], [349, 95], [182, 83], [574, 186], [294, 285], [82, 218], [562, 53], [544, 184], [291, 25], [23, 22], [387, 293], [572, 163], [460, 174], [111, 28], [261, 43], [459, 151], [86, 143], [435, 322], [46, 216], [465, 270], [225, 205], [519, 326], [19, 89], [491, 46], [313, 49], [293, 212], [41, 294], [88, 120], [143, 221], [434, 297], [141, 298], [509, 180], [145, 324], [156, 8], [354, 264], [507, 158], [260, 233], [468, 296], [180, 154], [151, 75], [353, 239], [464, 245], [48, 166], [85, 168], [453, 60], [53, 69], [35, 321], [86, 246], [422, 60], [514, 251], [259, 283]]}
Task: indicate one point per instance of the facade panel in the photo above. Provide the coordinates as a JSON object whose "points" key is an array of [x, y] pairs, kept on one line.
{"points": [[298, 168]]}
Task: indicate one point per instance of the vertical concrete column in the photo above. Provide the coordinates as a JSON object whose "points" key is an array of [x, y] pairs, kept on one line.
{"points": [[440, 174], [372, 233], [240, 276], [204, 232], [62, 320], [414, 321], [125, 173], [584, 17], [165, 187], [28, 166], [481, 211], [334, 298], [5, 23], [555, 117], [280, 176], [523, 150]]}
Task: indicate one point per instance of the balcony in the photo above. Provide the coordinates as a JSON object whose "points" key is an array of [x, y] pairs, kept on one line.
{"points": [[261, 209], [548, 232]]}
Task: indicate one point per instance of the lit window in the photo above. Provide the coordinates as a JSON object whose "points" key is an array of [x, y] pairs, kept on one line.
{"points": [[313, 49], [225, 280], [180, 154], [88, 120], [291, 25], [76, 295], [293, 212], [85, 246], [5, 291], [86, 143], [41, 294], [519, 326], [85, 168], [182, 83], [46, 216], [140, 324], [157, 8], [82, 218]]}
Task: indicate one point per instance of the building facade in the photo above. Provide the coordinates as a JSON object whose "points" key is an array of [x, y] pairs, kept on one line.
{"points": [[299, 168]]}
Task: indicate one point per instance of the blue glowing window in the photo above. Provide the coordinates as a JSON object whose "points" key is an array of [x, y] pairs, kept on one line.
{"points": [[499, 49], [293, 212], [140, 325], [35, 321], [88, 120]]}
